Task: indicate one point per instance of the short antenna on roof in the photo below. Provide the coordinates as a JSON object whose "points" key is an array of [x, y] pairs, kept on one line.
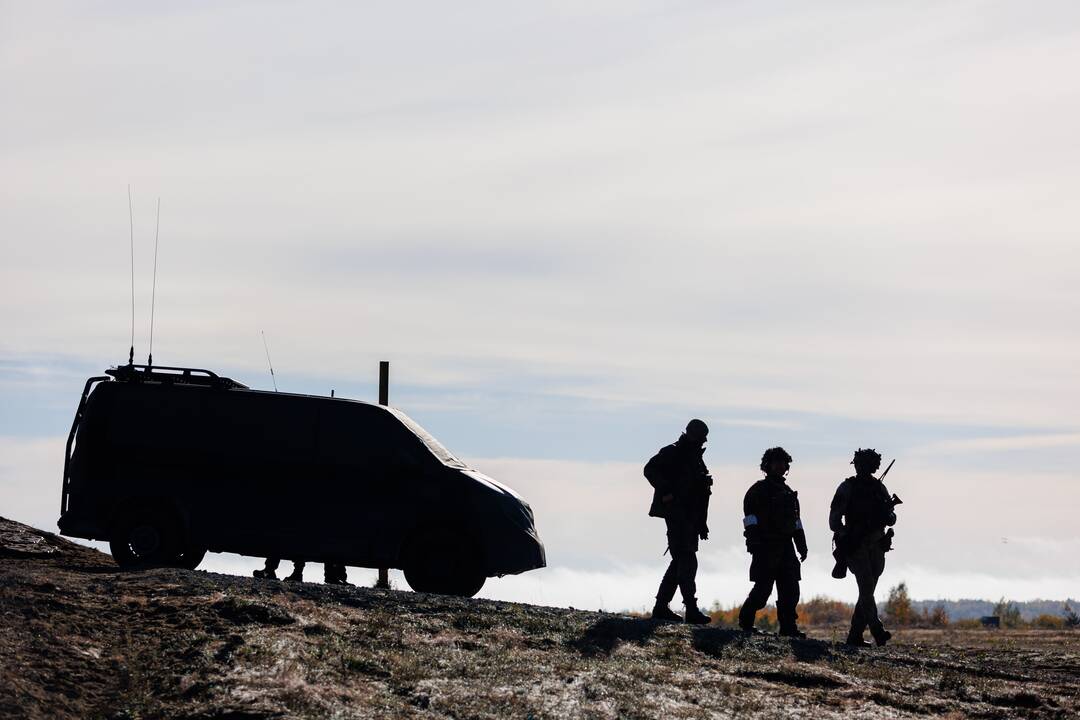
{"points": [[153, 293], [131, 226], [267, 348]]}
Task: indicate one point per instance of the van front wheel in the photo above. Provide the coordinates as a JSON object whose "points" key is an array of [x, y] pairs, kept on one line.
{"points": [[143, 539], [446, 563]]}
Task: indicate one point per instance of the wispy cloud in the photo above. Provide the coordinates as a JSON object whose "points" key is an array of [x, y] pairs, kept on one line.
{"points": [[1001, 444]]}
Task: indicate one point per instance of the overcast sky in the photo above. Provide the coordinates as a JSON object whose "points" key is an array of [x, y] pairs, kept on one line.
{"points": [[571, 227]]}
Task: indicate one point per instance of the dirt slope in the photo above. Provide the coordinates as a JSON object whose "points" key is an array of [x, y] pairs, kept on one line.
{"points": [[80, 640]]}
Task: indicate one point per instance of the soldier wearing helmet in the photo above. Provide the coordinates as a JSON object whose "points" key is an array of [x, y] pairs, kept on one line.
{"points": [[681, 488], [773, 529], [860, 511]]}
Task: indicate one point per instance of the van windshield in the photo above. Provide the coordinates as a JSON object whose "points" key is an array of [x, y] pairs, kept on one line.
{"points": [[437, 448]]}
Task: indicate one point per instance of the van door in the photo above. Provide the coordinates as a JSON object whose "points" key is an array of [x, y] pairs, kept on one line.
{"points": [[263, 450], [367, 469]]}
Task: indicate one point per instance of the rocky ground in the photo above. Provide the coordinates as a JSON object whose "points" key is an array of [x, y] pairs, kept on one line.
{"points": [[79, 639]]}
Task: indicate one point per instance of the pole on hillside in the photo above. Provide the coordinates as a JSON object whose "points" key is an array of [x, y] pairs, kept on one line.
{"points": [[384, 399]]}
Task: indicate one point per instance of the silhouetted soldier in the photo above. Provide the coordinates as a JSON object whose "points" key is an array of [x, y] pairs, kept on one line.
{"points": [[681, 489], [773, 530], [860, 511]]}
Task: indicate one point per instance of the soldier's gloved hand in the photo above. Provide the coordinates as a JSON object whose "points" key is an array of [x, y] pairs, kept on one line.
{"points": [[802, 556], [704, 533]]}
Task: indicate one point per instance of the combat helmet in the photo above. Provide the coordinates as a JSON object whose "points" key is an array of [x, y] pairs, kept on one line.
{"points": [[867, 458], [697, 429], [775, 453]]}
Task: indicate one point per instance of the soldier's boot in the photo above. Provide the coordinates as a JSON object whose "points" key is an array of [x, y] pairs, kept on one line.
{"points": [[663, 613], [296, 576], [881, 635], [856, 640], [695, 616], [746, 621], [265, 574], [792, 632]]}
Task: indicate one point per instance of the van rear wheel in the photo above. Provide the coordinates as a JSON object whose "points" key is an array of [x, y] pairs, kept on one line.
{"points": [[144, 538], [444, 562]]}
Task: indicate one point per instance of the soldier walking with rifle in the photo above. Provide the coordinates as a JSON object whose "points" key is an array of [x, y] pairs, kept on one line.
{"points": [[860, 512], [681, 488]]}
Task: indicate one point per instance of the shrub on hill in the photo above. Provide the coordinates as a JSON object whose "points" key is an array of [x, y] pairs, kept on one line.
{"points": [[898, 610], [1049, 622]]}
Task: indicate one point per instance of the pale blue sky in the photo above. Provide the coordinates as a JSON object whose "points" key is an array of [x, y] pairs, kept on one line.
{"points": [[570, 227]]}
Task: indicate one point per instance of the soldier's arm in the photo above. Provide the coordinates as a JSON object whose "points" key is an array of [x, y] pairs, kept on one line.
{"points": [[706, 492], [800, 534], [752, 519], [838, 508]]}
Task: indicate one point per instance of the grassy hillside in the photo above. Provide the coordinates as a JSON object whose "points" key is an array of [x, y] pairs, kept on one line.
{"points": [[81, 640]]}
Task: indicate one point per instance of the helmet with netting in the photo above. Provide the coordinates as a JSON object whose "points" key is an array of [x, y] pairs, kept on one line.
{"points": [[867, 458], [773, 454]]}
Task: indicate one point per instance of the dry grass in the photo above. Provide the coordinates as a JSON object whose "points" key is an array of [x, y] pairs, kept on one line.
{"points": [[81, 640]]}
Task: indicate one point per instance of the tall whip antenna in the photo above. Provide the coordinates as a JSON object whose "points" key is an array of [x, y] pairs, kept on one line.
{"points": [[131, 225], [267, 348], [153, 293]]}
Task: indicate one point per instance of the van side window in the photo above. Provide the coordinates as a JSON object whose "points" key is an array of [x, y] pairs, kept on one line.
{"points": [[364, 436]]}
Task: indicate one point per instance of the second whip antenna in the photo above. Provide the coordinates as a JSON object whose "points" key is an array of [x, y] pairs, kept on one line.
{"points": [[267, 348]]}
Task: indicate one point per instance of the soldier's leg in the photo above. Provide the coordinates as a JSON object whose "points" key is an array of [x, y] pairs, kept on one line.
{"points": [[297, 572], [876, 566], [787, 600], [335, 574], [670, 580], [758, 597], [668, 584], [269, 571], [687, 573], [866, 607]]}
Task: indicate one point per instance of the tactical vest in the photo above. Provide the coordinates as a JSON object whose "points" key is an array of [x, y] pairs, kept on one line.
{"points": [[867, 508], [781, 510]]}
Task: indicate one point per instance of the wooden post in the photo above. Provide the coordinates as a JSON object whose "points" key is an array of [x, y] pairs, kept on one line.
{"points": [[384, 382], [384, 399]]}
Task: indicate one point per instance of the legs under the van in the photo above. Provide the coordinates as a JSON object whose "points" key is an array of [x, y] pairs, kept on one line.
{"points": [[335, 574], [270, 571], [297, 572]]}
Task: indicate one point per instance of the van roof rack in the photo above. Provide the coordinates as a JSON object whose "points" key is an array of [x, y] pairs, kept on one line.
{"points": [[172, 375]]}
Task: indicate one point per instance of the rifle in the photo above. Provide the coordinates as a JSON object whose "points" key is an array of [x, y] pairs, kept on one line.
{"points": [[840, 546]]}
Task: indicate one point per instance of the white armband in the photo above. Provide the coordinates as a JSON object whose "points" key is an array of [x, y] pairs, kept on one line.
{"points": [[749, 520]]}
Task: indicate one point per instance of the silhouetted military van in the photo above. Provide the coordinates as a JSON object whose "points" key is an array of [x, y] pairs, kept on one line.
{"points": [[172, 462]]}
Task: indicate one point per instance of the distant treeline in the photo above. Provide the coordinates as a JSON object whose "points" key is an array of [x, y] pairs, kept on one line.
{"points": [[967, 609], [900, 610]]}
